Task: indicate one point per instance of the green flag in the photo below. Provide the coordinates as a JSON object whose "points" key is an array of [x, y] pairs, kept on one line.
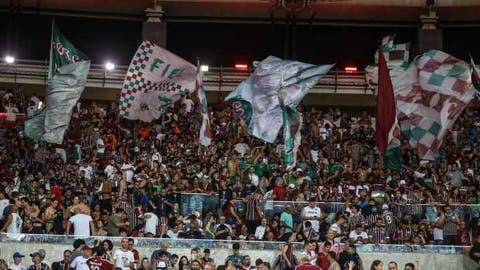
{"points": [[68, 72], [62, 52]]}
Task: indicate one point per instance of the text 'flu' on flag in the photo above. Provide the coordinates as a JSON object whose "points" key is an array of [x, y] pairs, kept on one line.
{"points": [[67, 79]]}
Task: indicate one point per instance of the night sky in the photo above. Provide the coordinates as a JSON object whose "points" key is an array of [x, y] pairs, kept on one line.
{"points": [[28, 37]]}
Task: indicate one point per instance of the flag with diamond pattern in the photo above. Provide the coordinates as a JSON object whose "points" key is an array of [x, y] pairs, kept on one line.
{"points": [[430, 96], [395, 54], [155, 80]]}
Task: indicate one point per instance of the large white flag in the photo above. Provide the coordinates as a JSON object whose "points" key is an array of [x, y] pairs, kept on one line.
{"points": [[156, 78]]}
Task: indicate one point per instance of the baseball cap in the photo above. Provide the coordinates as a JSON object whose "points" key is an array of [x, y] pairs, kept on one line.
{"points": [[161, 265], [86, 248], [36, 254], [18, 255]]}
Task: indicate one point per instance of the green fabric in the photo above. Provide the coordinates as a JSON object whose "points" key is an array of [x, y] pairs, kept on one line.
{"points": [[112, 230], [62, 52], [393, 159]]}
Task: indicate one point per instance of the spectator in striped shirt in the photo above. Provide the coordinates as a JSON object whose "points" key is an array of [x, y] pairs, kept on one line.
{"points": [[378, 234], [403, 234]]}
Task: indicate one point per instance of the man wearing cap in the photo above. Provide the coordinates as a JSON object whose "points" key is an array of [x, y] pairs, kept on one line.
{"points": [[311, 213], [38, 264], [80, 262], [17, 262]]}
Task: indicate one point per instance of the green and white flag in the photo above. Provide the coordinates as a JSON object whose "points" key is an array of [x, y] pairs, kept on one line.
{"points": [[155, 80], [268, 99], [67, 79]]}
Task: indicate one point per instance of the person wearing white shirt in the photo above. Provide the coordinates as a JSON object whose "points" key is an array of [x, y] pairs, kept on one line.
{"points": [[13, 223], [110, 169], [128, 171], [100, 146], [313, 214], [188, 104], [260, 230], [358, 235], [254, 179], [123, 257], [82, 225], [17, 262], [80, 262], [151, 223], [87, 169]]}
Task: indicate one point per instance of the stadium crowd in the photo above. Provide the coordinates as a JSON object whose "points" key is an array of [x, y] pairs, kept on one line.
{"points": [[113, 177]]}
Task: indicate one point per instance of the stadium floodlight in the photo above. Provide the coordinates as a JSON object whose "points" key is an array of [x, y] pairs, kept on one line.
{"points": [[9, 59], [241, 67], [204, 68], [109, 66], [350, 69]]}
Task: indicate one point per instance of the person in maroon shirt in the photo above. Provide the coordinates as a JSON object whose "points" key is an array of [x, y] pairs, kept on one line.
{"points": [[279, 190], [306, 265], [96, 262]]}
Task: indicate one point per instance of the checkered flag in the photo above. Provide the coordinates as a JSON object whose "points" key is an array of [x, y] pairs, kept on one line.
{"points": [[430, 95], [155, 80], [395, 54]]}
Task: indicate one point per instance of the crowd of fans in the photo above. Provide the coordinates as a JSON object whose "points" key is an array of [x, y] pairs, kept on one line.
{"points": [[114, 177]]}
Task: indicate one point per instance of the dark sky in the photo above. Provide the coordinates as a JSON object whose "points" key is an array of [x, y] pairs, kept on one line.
{"points": [[28, 36]]}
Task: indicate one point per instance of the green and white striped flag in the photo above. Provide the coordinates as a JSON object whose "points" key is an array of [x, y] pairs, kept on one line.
{"points": [[67, 79]]}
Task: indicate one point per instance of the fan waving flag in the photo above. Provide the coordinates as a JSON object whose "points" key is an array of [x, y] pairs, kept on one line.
{"points": [[387, 129], [67, 79], [155, 80], [205, 133], [268, 100], [430, 96]]}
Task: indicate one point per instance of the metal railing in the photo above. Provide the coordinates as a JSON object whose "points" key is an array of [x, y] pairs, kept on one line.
{"points": [[223, 79], [203, 203], [219, 244]]}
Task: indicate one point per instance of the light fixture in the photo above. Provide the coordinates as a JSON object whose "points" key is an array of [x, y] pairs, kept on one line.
{"points": [[204, 68], [241, 67], [9, 59], [350, 69], [109, 66]]}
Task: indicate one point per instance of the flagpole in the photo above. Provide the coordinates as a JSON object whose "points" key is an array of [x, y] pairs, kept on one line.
{"points": [[50, 63]]}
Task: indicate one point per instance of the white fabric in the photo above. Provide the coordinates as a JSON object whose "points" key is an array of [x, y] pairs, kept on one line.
{"points": [[151, 223], [16, 225], [79, 263], [81, 224], [314, 212], [100, 149], [123, 259]]}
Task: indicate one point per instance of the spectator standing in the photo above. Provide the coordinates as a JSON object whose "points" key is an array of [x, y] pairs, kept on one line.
{"points": [[80, 262], [82, 225], [116, 222], [123, 258], [311, 213], [97, 261]]}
